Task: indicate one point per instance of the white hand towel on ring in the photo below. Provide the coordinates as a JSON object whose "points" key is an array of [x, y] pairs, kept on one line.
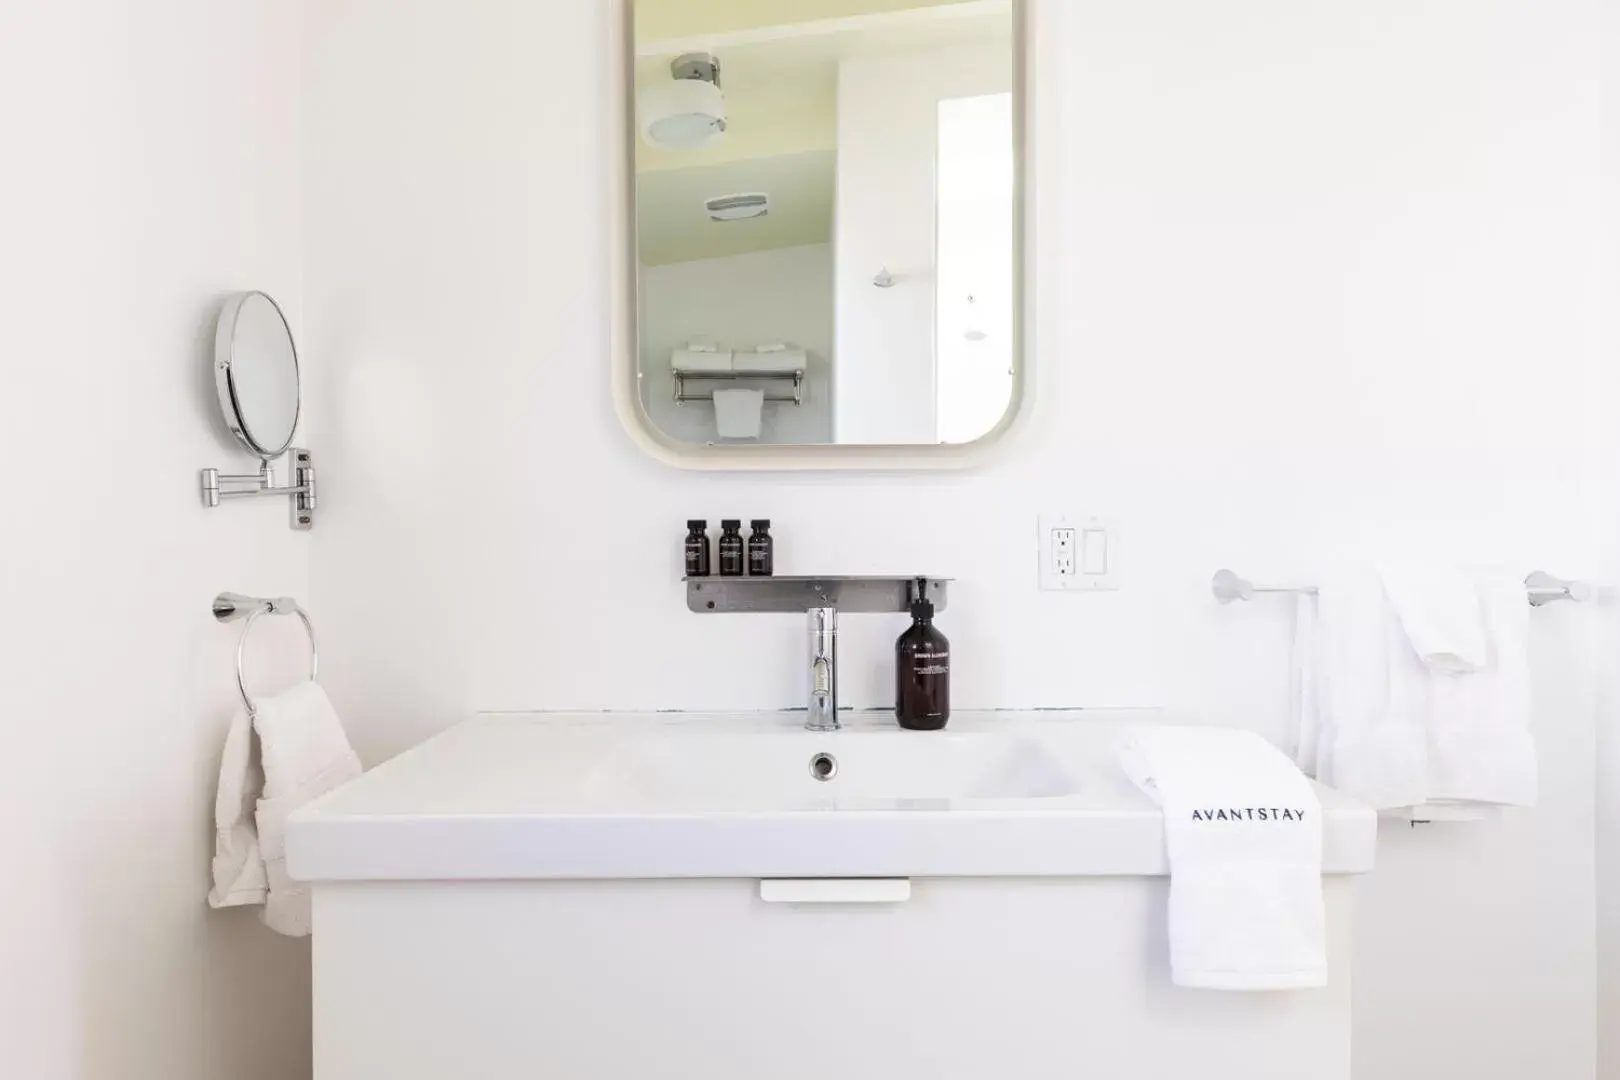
{"points": [[300, 753]]}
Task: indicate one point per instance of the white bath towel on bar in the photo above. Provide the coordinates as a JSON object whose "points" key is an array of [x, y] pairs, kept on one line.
{"points": [[1439, 609], [1305, 685], [300, 752], [1373, 695], [1243, 832], [1481, 750], [1424, 698]]}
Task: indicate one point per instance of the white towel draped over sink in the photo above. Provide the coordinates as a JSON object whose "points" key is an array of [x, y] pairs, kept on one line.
{"points": [[1243, 832]]}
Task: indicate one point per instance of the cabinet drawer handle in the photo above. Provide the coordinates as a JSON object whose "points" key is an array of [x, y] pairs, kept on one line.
{"points": [[835, 890]]}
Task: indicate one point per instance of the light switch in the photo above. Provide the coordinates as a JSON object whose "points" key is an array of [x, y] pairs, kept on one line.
{"points": [[1094, 552], [1098, 554]]}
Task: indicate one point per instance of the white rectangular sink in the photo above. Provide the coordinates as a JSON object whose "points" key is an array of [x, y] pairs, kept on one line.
{"points": [[802, 770], [605, 796]]}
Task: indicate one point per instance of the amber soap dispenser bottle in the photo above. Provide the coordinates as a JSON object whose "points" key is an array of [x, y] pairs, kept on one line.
{"points": [[922, 662]]}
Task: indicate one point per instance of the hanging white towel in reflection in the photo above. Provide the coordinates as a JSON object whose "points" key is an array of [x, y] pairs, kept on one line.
{"points": [[737, 413]]}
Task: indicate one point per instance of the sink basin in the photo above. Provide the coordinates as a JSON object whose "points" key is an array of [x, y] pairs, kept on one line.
{"points": [[845, 770], [506, 797]]}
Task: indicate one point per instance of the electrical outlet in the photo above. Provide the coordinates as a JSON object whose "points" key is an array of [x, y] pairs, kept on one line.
{"points": [[1059, 554], [1078, 555], [1063, 552]]}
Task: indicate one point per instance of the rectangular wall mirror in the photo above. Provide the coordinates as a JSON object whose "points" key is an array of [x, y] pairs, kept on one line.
{"points": [[826, 224]]}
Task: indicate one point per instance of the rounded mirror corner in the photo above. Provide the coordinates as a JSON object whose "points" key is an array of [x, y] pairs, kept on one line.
{"points": [[256, 373]]}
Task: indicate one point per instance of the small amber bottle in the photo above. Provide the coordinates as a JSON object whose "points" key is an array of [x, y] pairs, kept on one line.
{"points": [[731, 549], [761, 549], [697, 549]]}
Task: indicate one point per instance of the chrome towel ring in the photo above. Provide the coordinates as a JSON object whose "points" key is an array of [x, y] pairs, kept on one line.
{"points": [[229, 607]]}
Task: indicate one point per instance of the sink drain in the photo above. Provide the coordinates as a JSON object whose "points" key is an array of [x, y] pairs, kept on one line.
{"points": [[823, 767]]}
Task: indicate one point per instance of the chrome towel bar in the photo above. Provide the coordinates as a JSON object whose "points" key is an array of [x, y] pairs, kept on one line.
{"points": [[1540, 588]]}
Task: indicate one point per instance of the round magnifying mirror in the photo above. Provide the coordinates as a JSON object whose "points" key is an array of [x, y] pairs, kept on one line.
{"points": [[256, 373]]}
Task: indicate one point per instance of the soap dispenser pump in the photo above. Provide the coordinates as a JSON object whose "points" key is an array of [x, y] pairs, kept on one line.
{"points": [[922, 661]]}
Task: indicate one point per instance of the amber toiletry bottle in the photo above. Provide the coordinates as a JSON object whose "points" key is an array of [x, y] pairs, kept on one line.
{"points": [[761, 549], [731, 549], [922, 661], [697, 548]]}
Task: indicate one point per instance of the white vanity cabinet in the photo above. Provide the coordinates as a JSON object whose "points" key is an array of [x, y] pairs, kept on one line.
{"points": [[507, 902]]}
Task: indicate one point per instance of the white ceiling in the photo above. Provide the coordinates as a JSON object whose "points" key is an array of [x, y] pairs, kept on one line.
{"points": [[781, 87], [674, 226], [656, 19]]}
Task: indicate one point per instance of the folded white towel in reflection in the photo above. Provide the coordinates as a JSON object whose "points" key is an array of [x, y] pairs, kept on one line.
{"points": [[702, 345], [776, 361], [737, 413], [773, 346], [1243, 832], [300, 753], [700, 360]]}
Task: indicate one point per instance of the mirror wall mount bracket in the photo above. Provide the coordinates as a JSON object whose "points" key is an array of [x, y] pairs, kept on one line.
{"points": [[217, 486]]}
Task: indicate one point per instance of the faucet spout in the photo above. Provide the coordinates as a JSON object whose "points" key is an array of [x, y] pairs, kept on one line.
{"points": [[823, 670]]}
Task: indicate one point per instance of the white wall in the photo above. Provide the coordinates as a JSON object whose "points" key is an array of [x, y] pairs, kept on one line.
{"points": [[151, 166], [1604, 410], [1304, 274], [742, 301], [888, 149], [1608, 829]]}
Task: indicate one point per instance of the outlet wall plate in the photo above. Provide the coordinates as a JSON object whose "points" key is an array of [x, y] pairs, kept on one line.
{"points": [[1078, 554]]}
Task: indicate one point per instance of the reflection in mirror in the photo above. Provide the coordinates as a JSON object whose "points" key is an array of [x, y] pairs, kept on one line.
{"points": [[827, 203], [256, 368]]}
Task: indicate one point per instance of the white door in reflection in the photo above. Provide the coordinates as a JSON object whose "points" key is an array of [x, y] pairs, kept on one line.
{"points": [[974, 265]]}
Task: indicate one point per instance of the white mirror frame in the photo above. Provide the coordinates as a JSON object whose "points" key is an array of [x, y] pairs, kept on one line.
{"points": [[624, 333]]}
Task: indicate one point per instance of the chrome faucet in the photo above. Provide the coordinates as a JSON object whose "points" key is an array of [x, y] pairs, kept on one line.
{"points": [[823, 670]]}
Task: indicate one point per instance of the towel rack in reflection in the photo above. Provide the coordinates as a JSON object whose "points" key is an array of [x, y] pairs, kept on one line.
{"points": [[683, 395], [230, 607], [1540, 588]]}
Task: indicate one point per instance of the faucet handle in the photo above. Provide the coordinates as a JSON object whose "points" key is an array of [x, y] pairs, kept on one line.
{"points": [[823, 620]]}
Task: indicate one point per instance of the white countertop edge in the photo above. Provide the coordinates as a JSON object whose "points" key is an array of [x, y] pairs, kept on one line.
{"points": [[1063, 841], [438, 849]]}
